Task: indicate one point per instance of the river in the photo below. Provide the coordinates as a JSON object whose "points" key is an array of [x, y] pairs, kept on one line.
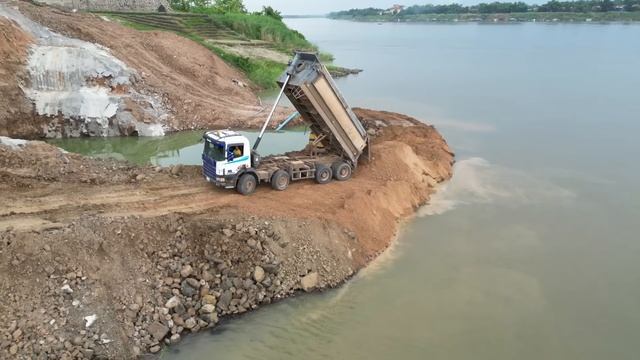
{"points": [[532, 250]]}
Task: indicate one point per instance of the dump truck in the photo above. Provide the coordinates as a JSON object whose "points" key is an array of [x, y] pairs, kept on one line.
{"points": [[338, 142]]}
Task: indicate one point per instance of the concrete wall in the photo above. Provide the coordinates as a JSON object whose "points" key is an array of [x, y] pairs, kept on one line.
{"points": [[110, 5]]}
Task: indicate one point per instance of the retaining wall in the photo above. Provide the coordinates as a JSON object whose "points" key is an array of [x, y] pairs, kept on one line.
{"points": [[110, 5]]}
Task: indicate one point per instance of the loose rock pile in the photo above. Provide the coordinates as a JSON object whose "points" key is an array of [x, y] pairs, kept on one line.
{"points": [[234, 274], [132, 285], [55, 330]]}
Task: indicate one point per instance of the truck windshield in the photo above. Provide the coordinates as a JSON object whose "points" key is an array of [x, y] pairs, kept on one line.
{"points": [[214, 150]]}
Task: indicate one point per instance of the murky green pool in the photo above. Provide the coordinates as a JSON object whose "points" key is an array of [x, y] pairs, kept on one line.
{"points": [[179, 148]]}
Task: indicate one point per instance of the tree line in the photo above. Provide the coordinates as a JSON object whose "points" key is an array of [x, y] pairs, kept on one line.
{"points": [[580, 6], [223, 7]]}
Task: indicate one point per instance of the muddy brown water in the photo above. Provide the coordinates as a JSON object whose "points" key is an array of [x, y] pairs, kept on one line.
{"points": [[532, 250]]}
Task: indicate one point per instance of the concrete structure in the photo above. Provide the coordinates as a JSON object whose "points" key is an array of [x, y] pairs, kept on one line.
{"points": [[111, 5], [73, 79], [395, 9]]}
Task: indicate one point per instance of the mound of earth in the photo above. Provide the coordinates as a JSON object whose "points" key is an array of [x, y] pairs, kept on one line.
{"points": [[104, 259], [195, 87]]}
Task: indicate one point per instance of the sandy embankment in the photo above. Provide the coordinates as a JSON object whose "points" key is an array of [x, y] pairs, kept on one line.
{"points": [[156, 255]]}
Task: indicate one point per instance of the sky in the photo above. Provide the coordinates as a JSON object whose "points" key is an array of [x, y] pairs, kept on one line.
{"points": [[293, 7]]}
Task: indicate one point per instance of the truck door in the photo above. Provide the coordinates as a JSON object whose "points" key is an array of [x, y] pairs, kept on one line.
{"points": [[237, 157]]}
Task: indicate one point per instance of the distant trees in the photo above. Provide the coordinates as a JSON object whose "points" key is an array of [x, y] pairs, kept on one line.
{"points": [[483, 8], [271, 12], [361, 12], [220, 6], [229, 6], [631, 5], [436, 9], [186, 5], [580, 6], [551, 6], [504, 7], [225, 7]]}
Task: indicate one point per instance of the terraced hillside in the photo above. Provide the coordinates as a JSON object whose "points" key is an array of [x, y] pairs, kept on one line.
{"points": [[261, 60], [189, 24]]}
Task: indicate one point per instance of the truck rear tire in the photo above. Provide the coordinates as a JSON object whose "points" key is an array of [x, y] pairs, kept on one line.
{"points": [[280, 180], [341, 171], [247, 184], [323, 174]]}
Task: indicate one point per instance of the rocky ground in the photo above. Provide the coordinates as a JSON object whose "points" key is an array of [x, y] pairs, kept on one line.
{"points": [[102, 259], [146, 282]]}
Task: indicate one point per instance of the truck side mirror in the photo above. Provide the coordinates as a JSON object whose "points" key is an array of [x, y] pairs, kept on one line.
{"points": [[255, 159]]}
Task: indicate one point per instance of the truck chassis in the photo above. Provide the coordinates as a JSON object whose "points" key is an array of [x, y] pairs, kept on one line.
{"points": [[340, 137], [279, 171]]}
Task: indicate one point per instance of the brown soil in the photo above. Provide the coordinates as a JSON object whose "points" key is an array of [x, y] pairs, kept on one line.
{"points": [[119, 236], [196, 84], [14, 44]]}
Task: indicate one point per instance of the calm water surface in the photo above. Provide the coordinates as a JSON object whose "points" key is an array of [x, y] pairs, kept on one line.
{"points": [[179, 148], [532, 250]]}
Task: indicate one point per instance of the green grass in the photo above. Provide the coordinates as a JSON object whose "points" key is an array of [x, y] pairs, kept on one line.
{"points": [[133, 25], [262, 73], [325, 57], [265, 28]]}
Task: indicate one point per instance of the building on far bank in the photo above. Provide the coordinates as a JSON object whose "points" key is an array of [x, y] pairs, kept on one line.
{"points": [[395, 9]]}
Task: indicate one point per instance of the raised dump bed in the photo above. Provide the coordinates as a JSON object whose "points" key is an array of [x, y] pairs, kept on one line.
{"points": [[339, 139], [315, 95]]}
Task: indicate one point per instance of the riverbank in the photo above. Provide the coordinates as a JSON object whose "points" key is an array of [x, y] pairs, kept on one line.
{"points": [[117, 260], [507, 17]]}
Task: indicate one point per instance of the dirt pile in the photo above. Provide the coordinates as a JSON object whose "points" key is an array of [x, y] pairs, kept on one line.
{"points": [[39, 162], [164, 254], [198, 89]]}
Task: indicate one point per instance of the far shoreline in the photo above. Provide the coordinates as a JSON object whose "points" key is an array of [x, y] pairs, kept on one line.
{"points": [[544, 17]]}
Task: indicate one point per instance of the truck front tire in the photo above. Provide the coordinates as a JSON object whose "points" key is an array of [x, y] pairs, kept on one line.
{"points": [[280, 180], [323, 174], [247, 184], [342, 171]]}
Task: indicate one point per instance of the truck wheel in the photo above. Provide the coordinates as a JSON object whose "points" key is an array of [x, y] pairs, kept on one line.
{"points": [[341, 171], [280, 180], [246, 184], [323, 174]]}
